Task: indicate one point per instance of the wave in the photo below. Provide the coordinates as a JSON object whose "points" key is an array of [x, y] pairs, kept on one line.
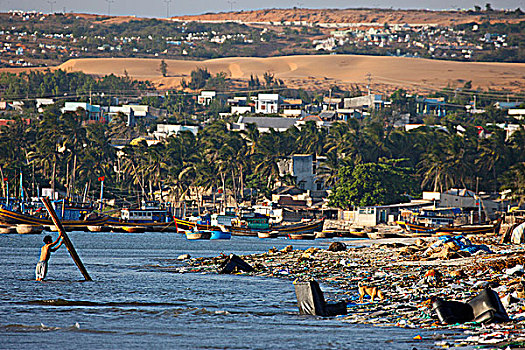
{"points": [[64, 302]]}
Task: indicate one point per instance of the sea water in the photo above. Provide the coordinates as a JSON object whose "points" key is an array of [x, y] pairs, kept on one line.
{"points": [[136, 300]]}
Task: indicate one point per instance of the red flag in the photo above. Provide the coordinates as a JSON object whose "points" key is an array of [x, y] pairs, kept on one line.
{"points": [[101, 178], [5, 179]]}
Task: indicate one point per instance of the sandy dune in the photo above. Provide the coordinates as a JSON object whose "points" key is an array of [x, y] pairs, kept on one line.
{"points": [[317, 71]]}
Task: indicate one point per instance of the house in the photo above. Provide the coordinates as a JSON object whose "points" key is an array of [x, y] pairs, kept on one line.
{"points": [[431, 106], [468, 201], [166, 130], [240, 105], [332, 103], [366, 103], [264, 124], [302, 168], [43, 102], [507, 105], [313, 118], [293, 108], [206, 97], [91, 112], [134, 112], [518, 113], [268, 103], [374, 215]]}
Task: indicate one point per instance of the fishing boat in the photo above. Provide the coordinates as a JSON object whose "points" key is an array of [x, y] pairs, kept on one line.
{"points": [[303, 236], [72, 217], [325, 234], [198, 235], [133, 229], [150, 217], [7, 229], [29, 229], [216, 234], [463, 229], [266, 234]]}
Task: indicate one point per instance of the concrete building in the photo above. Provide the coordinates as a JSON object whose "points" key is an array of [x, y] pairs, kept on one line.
{"points": [[268, 103], [166, 130], [264, 124], [206, 97], [91, 112], [302, 168]]}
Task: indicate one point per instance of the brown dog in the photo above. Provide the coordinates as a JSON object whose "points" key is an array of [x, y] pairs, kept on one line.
{"points": [[369, 290]]}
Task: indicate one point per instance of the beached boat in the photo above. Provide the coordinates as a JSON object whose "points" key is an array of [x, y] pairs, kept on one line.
{"points": [[464, 229], [220, 235], [29, 229], [266, 234], [74, 219], [325, 234], [98, 228], [304, 236], [198, 235], [7, 229], [133, 229]]}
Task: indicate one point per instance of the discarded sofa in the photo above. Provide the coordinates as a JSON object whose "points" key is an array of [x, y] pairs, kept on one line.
{"points": [[310, 300], [486, 307], [234, 264]]}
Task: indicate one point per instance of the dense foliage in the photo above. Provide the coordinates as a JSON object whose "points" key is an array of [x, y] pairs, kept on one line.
{"points": [[364, 162]]}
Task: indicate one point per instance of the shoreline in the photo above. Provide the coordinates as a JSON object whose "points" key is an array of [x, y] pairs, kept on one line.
{"points": [[397, 267]]}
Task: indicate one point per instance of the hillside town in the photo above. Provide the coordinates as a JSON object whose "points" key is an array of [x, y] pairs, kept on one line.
{"points": [[30, 39]]}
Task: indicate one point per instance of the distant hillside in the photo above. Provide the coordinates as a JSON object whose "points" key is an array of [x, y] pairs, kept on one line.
{"points": [[360, 16]]}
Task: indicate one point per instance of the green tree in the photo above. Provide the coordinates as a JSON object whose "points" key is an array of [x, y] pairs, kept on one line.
{"points": [[370, 184]]}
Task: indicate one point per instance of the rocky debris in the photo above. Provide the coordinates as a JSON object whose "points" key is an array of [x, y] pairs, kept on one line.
{"points": [[183, 257], [411, 273]]}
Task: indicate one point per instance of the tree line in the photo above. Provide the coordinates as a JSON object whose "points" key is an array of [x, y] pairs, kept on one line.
{"points": [[364, 162]]}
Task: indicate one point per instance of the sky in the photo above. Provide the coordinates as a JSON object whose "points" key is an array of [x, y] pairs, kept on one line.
{"points": [[160, 8]]}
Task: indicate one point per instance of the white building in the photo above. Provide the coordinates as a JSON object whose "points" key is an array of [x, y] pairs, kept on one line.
{"points": [[166, 130], [206, 97], [268, 103]]}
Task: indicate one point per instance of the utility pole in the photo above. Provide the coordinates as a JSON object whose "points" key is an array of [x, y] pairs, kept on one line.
{"points": [[109, 6], [369, 78], [167, 8], [231, 2], [51, 2]]}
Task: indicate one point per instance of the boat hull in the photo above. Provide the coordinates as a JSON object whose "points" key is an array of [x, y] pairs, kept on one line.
{"points": [[198, 235], [220, 235], [8, 217], [467, 229]]}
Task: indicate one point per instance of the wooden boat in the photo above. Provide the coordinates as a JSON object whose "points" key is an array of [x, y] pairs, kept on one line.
{"points": [[464, 229], [220, 235], [266, 234], [98, 228], [9, 217], [198, 235], [325, 234], [149, 218], [133, 229], [283, 230], [304, 236], [8, 229], [29, 229]]}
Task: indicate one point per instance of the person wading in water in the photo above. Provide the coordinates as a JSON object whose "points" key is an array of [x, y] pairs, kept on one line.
{"points": [[45, 254]]}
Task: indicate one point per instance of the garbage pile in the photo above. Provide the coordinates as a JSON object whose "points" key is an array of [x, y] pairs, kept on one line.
{"points": [[416, 277]]}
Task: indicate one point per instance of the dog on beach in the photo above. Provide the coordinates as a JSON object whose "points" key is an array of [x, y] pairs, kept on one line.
{"points": [[372, 291]]}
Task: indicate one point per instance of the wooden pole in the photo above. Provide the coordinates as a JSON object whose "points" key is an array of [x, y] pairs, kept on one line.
{"points": [[65, 238]]}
